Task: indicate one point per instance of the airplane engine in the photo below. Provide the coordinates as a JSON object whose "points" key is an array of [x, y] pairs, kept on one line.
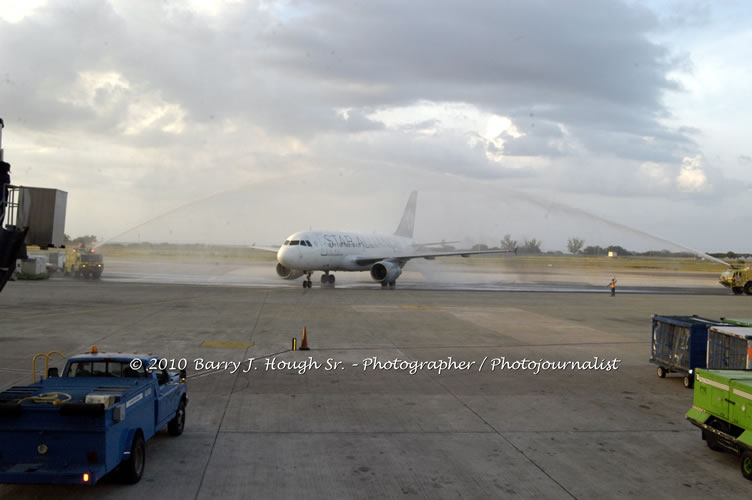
{"points": [[385, 271], [288, 274]]}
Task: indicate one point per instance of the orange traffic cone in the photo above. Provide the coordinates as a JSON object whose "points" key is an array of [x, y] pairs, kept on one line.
{"points": [[304, 341]]}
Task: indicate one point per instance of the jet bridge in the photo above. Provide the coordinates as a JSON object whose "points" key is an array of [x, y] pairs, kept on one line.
{"points": [[28, 216]]}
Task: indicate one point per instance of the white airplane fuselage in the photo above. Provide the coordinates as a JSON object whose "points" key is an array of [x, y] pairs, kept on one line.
{"points": [[308, 251], [383, 255]]}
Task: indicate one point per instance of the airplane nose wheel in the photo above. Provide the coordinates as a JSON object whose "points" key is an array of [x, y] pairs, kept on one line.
{"points": [[307, 281]]}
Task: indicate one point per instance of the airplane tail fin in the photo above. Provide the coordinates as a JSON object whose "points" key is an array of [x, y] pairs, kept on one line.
{"points": [[405, 228]]}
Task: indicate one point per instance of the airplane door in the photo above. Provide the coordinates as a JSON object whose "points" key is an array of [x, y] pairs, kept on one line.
{"points": [[323, 248]]}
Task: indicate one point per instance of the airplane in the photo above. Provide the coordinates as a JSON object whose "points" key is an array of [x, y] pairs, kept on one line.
{"points": [[384, 256]]}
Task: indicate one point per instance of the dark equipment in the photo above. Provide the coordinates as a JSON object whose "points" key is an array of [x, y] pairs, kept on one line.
{"points": [[33, 216], [12, 238]]}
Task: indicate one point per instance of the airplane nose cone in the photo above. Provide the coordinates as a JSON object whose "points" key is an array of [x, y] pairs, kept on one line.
{"points": [[281, 253], [289, 256]]}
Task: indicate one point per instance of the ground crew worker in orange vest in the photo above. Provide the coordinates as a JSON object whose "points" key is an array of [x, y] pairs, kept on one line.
{"points": [[613, 287]]}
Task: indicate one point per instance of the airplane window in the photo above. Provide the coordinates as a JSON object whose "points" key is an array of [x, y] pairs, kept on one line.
{"points": [[287, 242], [308, 243], [294, 242]]}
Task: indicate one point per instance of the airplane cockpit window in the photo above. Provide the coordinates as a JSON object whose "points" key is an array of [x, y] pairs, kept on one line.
{"points": [[294, 242], [287, 242], [307, 243]]}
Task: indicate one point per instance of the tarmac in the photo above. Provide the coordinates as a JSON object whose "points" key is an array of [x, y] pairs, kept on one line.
{"points": [[288, 428]]}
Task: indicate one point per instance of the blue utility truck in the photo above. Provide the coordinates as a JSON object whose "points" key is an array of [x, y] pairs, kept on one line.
{"points": [[90, 420]]}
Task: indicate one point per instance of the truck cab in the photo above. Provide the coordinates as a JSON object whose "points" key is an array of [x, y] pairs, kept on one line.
{"points": [[738, 280], [83, 262], [94, 418], [114, 365]]}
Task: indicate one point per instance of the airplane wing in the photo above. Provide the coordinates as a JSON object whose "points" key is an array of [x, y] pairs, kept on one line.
{"points": [[431, 255], [265, 248], [433, 243]]}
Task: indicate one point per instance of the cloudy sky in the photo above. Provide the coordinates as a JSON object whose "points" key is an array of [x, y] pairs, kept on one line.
{"points": [[242, 122]]}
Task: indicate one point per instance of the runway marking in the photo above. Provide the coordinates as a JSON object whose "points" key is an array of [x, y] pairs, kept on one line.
{"points": [[369, 308], [226, 344], [14, 370], [504, 438], [114, 308], [227, 402], [476, 346]]}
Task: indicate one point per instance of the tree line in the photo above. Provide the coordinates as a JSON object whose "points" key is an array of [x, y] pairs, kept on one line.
{"points": [[576, 246]]}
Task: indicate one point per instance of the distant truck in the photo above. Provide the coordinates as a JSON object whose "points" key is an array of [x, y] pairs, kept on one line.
{"points": [[722, 409], [83, 262], [738, 280], [679, 345], [92, 420]]}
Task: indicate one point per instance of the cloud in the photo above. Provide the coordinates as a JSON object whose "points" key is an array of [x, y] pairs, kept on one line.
{"points": [[166, 100], [692, 176]]}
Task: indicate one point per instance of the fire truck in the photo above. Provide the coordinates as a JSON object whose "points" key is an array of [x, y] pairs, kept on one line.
{"points": [[83, 262], [738, 280]]}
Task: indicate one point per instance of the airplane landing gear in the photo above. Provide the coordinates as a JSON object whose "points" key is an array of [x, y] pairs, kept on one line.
{"points": [[327, 280], [307, 281]]}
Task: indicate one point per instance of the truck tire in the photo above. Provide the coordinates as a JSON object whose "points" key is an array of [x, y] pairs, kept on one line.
{"points": [[661, 372], [737, 290], [711, 441], [176, 425], [748, 288], [133, 468], [689, 381], [746, 464]]}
